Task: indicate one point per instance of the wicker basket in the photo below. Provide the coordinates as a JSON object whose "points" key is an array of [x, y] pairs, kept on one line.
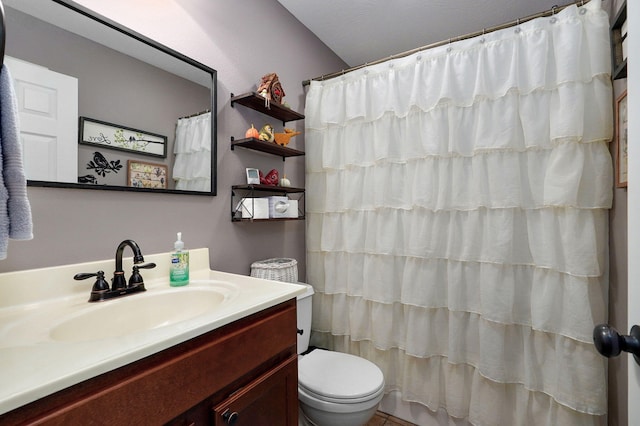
{"points": [[277, 269]]}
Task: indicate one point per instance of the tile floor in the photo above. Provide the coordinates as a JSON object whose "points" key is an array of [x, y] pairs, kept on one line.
{"points": [[384, 419]]}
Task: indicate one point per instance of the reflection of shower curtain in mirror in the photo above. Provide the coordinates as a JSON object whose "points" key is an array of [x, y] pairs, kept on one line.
{"points": [[457, 220], [192, 167]]}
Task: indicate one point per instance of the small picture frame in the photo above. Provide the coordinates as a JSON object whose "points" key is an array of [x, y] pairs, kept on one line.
{"points": [[253, 176], [621, 160], [141, 174]]}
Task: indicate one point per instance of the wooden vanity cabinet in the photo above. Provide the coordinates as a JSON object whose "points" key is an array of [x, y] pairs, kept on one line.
{"points": [[244, 373]]}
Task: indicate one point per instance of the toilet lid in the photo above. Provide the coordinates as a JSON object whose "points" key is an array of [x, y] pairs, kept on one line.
{"points": [[338, 375]]}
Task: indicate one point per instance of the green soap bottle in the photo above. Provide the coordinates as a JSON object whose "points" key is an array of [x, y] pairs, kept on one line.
{"points": [[179, 269]]}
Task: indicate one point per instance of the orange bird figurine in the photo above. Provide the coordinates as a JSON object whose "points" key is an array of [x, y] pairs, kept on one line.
{"points": [[283, 139]]}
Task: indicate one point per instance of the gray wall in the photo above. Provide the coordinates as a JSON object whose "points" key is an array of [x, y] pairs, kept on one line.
{"points": [[242, 40]]}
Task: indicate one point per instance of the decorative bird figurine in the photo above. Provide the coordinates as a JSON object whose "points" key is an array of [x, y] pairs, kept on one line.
{"points": [[266, 133], [283, 139], [271, 89]]}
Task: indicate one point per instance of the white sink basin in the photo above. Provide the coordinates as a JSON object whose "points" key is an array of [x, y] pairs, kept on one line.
{"points": [[137, 312], [75, 320]]}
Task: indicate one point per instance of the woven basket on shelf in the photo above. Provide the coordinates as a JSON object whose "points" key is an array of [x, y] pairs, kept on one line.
{"points": [[277, 269]]}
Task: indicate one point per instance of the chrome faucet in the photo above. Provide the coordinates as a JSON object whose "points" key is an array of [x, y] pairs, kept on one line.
{"points": [[119, 286]]}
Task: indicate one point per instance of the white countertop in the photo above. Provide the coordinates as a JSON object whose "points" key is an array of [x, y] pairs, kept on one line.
{"points": [[33, 364]]}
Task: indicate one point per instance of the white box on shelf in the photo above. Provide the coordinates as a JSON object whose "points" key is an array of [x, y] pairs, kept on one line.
{"points": [[292, 211], [254, 208], [278, 207]]}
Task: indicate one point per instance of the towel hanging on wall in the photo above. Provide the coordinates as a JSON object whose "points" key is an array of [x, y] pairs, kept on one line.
{"points": [[15, 210]]}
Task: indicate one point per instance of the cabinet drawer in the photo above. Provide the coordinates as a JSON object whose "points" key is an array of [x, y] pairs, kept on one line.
{"points": [[271, 399]]}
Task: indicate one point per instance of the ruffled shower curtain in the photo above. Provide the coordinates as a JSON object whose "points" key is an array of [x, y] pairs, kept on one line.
{"points": [[457, 231], [192, 166]]}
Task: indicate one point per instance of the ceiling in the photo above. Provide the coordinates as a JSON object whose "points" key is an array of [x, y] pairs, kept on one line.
{"points": [[361, 31]]}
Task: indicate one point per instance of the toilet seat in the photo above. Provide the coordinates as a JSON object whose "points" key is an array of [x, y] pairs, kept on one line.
{"points": [[339, 378]]}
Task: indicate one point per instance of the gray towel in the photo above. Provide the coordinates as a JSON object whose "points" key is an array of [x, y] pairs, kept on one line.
{"points": [[15, 210]]}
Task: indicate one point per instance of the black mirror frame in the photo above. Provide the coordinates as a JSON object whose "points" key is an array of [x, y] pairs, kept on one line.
{"points": [[139, 37]]}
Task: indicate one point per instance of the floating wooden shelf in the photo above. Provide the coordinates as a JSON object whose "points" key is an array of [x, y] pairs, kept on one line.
{"points": [[269, 188], [267, 147], [276, 219], [256, 102]]}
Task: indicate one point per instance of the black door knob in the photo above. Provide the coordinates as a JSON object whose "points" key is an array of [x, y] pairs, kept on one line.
{"points": [[610, 343]]}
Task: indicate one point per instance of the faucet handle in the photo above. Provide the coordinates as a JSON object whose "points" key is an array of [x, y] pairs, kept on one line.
{"points": [[100, 284], [136, 278]]}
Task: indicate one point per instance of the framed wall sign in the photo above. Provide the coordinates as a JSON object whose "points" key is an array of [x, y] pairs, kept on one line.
{"points": [[146, 175], [114, 136], [621, 141]]}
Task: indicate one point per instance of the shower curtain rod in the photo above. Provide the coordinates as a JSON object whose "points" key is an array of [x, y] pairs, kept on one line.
{"points": [[206, 111], [552, 11]]}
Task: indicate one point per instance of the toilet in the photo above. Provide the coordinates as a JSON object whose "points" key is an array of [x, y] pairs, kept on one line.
{"points": [[334, 389]]}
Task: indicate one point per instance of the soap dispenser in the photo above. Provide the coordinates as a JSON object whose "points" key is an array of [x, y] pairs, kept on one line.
{"points": [[179, 269]]}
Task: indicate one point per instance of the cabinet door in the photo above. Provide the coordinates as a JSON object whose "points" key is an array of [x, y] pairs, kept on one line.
{"points": [[271, 399]]}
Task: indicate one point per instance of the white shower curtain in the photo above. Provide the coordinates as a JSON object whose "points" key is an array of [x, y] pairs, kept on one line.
{"points": [[457, 220], [192, 165]]}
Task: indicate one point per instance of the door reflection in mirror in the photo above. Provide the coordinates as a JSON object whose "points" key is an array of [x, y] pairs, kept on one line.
{"points": [[48, 110]]}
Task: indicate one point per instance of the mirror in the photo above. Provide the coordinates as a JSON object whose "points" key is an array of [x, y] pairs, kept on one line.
{"points": [[132, 115]]}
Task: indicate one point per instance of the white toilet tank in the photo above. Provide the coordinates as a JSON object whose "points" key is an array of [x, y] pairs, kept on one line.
{"points": [[304, 308]]}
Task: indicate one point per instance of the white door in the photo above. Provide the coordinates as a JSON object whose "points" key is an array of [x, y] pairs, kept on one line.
{"points": [[48, 111], [633, 200]]}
